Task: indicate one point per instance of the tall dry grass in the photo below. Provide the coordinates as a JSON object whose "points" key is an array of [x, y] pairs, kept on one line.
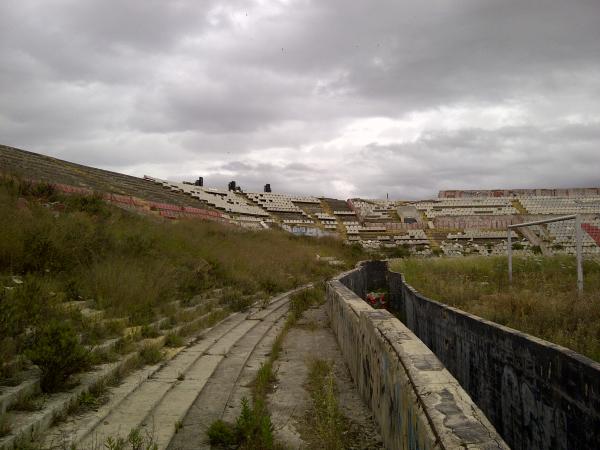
{"points": [[79, 248], [543, 300]]}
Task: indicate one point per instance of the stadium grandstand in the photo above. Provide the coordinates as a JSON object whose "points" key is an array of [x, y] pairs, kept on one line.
{"points": [[457, 222]]}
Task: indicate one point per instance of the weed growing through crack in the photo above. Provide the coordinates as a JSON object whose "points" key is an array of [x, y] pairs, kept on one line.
{"points": [[178, 426], [252, 430], [135, 440], [324, 417]]}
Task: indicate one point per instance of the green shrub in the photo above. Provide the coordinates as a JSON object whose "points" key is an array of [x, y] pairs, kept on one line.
{"points": [[221, 433], [402, 251], [151, 354], [174, 340], [56, 350], [92, 204], [235, 300], [25, 188], [135, 441], [149, 332], [437, 252], [252, 430], [27, 305], [29, 402]]}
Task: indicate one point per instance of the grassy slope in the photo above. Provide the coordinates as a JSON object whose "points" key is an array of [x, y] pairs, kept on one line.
{"points": [[73, 248], [543, 300]]}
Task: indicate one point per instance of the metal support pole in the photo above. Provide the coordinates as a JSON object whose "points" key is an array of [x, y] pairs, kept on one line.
{"points": [[578, 241], [509, 256]]}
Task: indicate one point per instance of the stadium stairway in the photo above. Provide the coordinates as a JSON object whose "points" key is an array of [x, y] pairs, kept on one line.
{"points": [[177, 401], [535, 240]]}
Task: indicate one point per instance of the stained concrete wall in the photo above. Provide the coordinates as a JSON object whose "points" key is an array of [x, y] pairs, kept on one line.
{"points": [[537, 394], [415, 400]]}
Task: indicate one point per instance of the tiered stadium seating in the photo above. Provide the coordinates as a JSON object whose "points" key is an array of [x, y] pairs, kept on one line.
{"points": [[344, 213], [563, 234], [324, 217], [561, 205], [373, 209], [280, 202], [466, 207], [372, 229], [412, 237], [298, 221], [337, 205], [481, 234], [36, 167], [227, 201], [352, 229]]}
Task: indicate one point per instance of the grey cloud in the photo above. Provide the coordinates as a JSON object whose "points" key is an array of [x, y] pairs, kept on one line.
{"points": [[521, 157], [186, 87]]}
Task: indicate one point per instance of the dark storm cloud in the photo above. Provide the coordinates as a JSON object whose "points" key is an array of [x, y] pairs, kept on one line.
{"points": [[335, 97], [523, 157]]}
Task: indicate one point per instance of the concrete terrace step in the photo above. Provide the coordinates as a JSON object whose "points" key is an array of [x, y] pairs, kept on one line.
{"points": [[218, 391], [163, 400], [9, 395], [27, 426], [132, 411], [155, 399], [78, 427]]}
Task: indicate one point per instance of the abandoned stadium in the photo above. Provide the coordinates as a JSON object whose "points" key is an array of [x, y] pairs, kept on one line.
{"points": [[287, 353]]}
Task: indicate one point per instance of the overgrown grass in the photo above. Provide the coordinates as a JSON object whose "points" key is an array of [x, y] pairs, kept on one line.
{"points": [[543, 300], [136, 440], [56, 249], [324, 418], [151, 354], [5, 427]]}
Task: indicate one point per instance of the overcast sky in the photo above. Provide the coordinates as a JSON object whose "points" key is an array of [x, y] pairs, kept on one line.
{"points": [[343, 97]]}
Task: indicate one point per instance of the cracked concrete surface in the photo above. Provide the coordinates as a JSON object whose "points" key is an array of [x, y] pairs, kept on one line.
{"points": [[290, 401]]}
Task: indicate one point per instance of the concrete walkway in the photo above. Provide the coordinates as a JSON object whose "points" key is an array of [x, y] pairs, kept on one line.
{"points": [[290, 402]]}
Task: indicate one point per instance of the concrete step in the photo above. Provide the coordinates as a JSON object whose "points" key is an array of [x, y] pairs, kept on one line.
{"points": [[77, 427], [161, 402], [130, 412], [243, 385], [218, 393], [28, 426]]}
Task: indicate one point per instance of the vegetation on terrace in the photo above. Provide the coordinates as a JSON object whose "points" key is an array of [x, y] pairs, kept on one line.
{"points": [[542, 301], [253, 428], [56, 249]]}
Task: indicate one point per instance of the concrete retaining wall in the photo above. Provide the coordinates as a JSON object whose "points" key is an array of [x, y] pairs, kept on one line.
{"points": [[537, 394], [415, 400]]}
